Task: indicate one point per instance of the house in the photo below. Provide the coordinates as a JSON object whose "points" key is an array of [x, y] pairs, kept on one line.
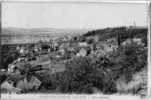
{"points": [[32, 84], [18, 48], [104, 47], [24, 85], [21, 59], [62, 51], [82, 52], [112, 43], [35, 82], [22, 50], [8, 86], [128, 41], [83, 44], [138, 41], [36, 49], [11, 68]]}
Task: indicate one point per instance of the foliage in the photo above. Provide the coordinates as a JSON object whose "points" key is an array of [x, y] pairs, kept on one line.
{"points": [[129, 60], [45, 78], [3, 77], [123, 32], [9, 54], [81, 76]]}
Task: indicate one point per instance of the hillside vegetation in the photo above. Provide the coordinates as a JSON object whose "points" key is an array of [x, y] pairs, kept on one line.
{"points": [[106, 61], [123, 32]]}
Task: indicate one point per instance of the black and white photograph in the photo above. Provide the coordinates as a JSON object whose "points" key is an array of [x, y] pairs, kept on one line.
{"points": [[73, 48]]}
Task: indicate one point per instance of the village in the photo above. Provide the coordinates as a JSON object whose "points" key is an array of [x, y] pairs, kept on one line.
{"points": [[52, 56]]}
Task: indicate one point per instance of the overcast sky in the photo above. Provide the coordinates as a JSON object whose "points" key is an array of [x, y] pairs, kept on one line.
{"points": [[70, 15]]}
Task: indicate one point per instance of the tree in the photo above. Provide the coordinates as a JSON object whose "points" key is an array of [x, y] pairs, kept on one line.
{"points": [[82, 75], [129, 60]]}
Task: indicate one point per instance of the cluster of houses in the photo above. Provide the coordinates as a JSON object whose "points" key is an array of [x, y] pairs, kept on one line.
{"points": [[62, 49]]}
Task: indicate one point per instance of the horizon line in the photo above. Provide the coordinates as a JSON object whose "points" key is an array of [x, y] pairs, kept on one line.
{"points": [[74, 28]]}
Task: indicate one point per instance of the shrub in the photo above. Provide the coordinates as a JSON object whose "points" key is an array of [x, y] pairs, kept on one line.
{"points": [[81, 76], [3, 77], [129, 60], [8, 56], [45, 78]]}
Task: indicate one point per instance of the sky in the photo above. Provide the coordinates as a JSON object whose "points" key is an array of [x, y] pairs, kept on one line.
{"points": [[73, 15]]}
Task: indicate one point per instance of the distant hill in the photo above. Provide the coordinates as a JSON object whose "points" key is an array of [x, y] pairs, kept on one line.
{"points": [[19, 31], [20, 35], [13, 35], [123, 32]]}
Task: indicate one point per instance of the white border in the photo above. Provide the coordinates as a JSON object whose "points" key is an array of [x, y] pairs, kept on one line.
{"points": [[149, 50], [81, 1], [147, 2]]}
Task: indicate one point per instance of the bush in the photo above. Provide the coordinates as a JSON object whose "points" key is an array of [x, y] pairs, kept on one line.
{"points": [[129, 60], [3, 77], [81, 76], [45, 78], [9, 54]]}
